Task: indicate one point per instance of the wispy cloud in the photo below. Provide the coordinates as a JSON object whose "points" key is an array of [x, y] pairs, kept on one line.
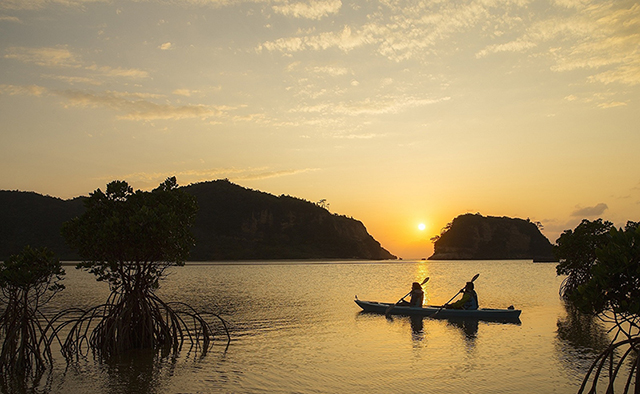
{"points": [[44, 56], [257, 175], [184, 92], [40, 4], [383, 105], [513, 46], [140, 109], [589, 212], [345, 40], [62, 57], [147, 180], [30, 90], [329, 70], [612, 104], [74, 80], [311, 10], [595, 36], [7, 18], [118, 71]]}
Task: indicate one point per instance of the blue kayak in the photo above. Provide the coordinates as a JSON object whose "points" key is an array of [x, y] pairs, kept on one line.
{"points": [[487, 314]]}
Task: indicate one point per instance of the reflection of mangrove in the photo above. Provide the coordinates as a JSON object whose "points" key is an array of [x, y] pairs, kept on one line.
{"points": [[612, 365], [139, 371], [581, 331]]}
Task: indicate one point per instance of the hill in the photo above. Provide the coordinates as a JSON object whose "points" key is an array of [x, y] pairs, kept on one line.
{"points": [[476, 237], [28, 218], [233, 223]]}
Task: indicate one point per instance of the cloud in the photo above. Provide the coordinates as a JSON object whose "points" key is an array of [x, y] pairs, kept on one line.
{"points": [[30, 90], [590, 211], [73, 80], [62, 57], [184, 92], [384, 105], [118, 72], [595, 36], [612, 104], [40, 4], [7, 18], [513, 46], [148, 180], [309, 10], [44, 56], [258, 175], [330, 70], [166, 46], [135, 107], [359, 136], [345, 40]]}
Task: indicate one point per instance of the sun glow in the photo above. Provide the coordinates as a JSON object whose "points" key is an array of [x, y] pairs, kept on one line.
{"points": [[422, 226]]}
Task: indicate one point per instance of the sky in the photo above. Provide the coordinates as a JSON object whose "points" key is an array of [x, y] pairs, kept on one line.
{"points": [[397, 113]]}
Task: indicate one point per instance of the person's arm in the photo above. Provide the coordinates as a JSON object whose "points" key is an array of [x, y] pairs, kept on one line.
{"points": [[460, 303]]}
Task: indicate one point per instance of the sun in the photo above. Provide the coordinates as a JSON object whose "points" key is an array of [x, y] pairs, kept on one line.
{"points": [[422, 226]]}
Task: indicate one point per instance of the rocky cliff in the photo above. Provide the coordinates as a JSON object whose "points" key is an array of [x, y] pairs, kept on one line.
{"points": [[476, 237], [233, 223]]}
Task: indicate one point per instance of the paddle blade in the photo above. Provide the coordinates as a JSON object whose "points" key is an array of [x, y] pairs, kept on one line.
{"points": [[475, 277], [424, 281]]}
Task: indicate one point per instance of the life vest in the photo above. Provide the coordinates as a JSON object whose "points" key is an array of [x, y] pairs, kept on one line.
{"points": [[472, 302]]}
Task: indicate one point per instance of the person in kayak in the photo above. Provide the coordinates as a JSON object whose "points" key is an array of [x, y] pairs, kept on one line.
{"points": [[417, 296], [469, 299]]}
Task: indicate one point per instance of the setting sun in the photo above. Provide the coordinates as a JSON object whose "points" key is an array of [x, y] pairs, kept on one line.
{"points": [[421, 226]]}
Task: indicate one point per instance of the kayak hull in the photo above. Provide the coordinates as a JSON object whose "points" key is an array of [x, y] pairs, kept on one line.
{"points": [[487, 314]]}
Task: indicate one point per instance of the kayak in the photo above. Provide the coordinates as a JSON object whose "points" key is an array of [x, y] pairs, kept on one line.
{"points": [[487, 314]]}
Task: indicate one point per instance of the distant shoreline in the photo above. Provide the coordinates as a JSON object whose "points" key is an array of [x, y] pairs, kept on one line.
{"points": [[322, 261]]}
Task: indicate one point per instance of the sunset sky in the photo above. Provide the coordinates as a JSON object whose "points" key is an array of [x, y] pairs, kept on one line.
{"points": [[396, 112]]}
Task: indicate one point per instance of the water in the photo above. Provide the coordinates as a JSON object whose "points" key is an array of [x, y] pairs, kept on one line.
{"points": [[296, 329]]}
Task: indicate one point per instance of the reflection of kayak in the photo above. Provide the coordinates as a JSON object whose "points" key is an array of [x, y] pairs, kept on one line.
{"points": [[507, 315]]}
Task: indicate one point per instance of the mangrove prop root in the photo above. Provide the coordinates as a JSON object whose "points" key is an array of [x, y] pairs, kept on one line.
{"points": [[138, 321], [607, 359]]}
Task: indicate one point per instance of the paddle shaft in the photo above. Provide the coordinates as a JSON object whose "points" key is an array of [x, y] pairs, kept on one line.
{"points": [[405, 296], [442, 307]]}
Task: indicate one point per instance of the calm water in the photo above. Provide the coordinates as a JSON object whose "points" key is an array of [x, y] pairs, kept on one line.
{"points": [[296, 329]]}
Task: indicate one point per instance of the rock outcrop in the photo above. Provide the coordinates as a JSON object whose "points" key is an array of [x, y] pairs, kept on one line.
{"points": [[235, 223], [476, 237]]}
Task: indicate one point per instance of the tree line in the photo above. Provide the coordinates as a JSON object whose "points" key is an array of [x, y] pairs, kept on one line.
{"points": [[602, 268]]}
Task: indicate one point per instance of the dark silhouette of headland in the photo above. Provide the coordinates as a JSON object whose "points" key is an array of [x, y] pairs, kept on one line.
{"points": [[232, 223], [477, 237]]}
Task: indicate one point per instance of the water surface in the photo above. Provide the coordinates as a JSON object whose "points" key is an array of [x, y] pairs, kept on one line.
{"points": [[296, 329]]}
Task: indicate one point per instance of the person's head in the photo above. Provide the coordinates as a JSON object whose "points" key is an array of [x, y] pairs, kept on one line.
{"points": [[469, 286], [416, 286]]}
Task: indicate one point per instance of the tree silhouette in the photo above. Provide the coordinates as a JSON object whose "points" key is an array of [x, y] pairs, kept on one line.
{"points": [[129, 239], [27, 282]]}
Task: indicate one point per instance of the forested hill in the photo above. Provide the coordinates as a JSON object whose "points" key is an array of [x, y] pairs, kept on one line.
{"points": [[238, 223], [233, 223], [28, 218], [476, 237]]}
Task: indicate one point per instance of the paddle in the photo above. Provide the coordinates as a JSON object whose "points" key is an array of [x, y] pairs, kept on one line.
{"points": [[400, 300], [442, 307]]}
